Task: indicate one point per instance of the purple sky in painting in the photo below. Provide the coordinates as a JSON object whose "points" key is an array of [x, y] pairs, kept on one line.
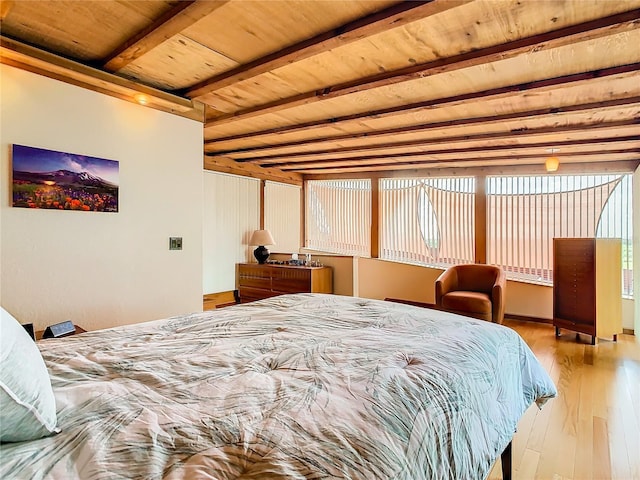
{"points": [[31, 159]]}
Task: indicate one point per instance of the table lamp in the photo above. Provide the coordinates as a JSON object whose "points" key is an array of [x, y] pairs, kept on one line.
{"points": [[261, 238]]}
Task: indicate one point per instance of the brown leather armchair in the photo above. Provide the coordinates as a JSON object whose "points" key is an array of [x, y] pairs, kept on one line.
{"points": [[474, 290]]}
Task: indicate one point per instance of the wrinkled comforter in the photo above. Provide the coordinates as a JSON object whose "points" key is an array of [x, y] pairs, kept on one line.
{"points": [[298, 386]]}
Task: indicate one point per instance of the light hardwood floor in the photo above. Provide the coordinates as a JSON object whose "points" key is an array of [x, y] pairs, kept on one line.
{"points": [[591, 430]]}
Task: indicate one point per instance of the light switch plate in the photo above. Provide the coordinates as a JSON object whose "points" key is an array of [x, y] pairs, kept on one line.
{"points": [[175, 243]]}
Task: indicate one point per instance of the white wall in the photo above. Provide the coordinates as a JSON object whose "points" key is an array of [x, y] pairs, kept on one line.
{"points": [[231, 214], [101, 269]]}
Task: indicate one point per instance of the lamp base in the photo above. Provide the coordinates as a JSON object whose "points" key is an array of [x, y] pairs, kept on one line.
{"points": [[261, 253]]}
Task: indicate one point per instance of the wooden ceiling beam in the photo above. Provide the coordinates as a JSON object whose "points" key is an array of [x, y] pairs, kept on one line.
{"points": [[184, 14], [539, 86], [628, 166], [227, 165], [458, 138], [596, 153], [582, 32], [38, 61], [460, 122], [476, 163], [395, 16], [5, 8], [482, 162], [460, 151]]}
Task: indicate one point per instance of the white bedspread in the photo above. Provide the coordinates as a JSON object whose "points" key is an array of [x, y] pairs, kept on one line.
{"points": [[298, 386]]}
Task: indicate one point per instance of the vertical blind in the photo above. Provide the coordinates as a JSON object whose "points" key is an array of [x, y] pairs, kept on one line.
{"points": [[282, 215], [231, 213], [338, 216], [524, 214], [429, 221]]}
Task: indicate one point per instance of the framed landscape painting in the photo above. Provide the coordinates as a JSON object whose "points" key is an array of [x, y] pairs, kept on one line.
{"points": [[63, 181]]}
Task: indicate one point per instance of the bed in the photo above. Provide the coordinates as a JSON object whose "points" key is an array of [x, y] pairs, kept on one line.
{"points": [[304, 386]]}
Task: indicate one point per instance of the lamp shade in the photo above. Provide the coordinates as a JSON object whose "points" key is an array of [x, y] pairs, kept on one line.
{"points": [[261, 237], [551, 164]]}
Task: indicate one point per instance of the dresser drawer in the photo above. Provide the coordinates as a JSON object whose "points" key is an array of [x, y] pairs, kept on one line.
{"points": [[249, 294], [255, 276], [256, 281], [291, 280]]}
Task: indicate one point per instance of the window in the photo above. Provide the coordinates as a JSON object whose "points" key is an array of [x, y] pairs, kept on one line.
{"points": [[431, 221], [338, 216], [427, 221], [524, 214]]}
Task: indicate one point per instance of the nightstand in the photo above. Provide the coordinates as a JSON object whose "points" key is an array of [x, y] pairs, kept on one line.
{"points": [[39, 333]]}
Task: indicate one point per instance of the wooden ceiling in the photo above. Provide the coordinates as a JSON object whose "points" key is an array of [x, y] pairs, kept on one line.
{"points": [[315, 88]]}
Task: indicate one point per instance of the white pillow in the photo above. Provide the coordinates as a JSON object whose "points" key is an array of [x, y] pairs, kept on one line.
{"points": [[27, 404]]}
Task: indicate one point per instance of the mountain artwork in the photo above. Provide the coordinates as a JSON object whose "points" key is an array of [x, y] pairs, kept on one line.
{"points": [[63, 181]]}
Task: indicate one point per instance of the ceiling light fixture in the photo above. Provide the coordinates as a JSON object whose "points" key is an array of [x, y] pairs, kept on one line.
{"points": [[552, 162], [141, 98]]}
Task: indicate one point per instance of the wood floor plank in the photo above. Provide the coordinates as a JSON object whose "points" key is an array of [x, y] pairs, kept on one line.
{"points": [[601, 456], [632, 437], [554, 446], [632, 376], [584, 448], [519, 446], [582, 467], [528, 465], [618, 445], [631, 423], [572, 379], [536, 438], [591, 431]]}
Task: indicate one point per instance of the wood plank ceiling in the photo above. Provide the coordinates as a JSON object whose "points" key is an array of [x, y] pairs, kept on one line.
{"points": [[299, 88]]}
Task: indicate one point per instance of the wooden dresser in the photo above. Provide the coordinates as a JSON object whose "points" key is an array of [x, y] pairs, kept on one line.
{"points": [[587, 286], [257, 281]]}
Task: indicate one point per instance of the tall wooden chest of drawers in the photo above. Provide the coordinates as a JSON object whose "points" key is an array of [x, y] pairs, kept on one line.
{"points": [[587, 286], [256, 281]]}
